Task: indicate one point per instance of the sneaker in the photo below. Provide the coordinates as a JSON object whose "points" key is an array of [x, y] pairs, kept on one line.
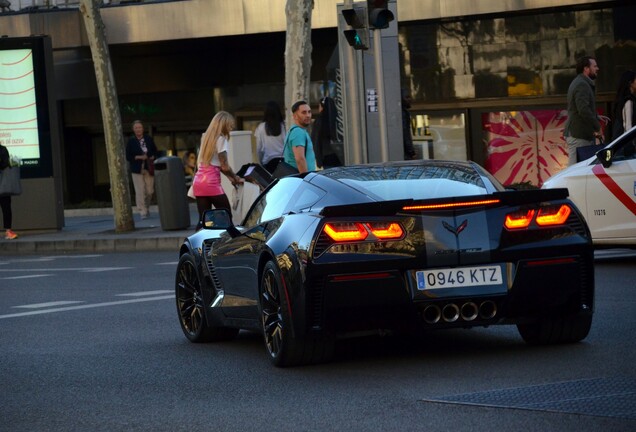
{"points": [[10, 235]]}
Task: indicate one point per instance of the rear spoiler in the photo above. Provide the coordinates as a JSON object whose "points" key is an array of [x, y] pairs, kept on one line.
{"points": [[531, 195], [389, 208]]}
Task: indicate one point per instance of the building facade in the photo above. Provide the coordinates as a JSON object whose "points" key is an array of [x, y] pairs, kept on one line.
{"points": [[488, 78]]}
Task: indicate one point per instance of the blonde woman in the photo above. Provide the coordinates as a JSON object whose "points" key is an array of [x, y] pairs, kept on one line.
{"points": [[211, 162]]}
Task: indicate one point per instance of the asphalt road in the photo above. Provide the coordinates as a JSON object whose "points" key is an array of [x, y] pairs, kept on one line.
{"points": [[92, 342]]}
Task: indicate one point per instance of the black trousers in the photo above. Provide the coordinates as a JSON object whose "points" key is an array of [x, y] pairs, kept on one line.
{"points": [[7, 216], [219, 201]]}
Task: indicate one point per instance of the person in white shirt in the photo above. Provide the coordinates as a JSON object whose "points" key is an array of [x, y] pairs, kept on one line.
{"points": [[270, 137], [624, 113]]}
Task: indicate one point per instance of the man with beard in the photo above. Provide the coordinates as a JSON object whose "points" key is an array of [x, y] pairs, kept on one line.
{"points": [[583, 126]]}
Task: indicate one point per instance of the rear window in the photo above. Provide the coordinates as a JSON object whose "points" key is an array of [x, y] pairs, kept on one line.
{"points": [[413, 181]]}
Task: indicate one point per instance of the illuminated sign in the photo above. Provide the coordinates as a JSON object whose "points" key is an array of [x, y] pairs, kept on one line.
{"points": [[28, 111], [18, 113]]}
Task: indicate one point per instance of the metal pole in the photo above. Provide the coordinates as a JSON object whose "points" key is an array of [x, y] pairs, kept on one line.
{"points": [[379, 83], [354, 120]]}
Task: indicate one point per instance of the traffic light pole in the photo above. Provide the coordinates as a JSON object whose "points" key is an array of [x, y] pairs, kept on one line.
{"points": [[356, 121], [379, 82]]}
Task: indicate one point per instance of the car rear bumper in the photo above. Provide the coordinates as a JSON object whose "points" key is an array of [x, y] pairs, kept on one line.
{"points": [[557, 286]]}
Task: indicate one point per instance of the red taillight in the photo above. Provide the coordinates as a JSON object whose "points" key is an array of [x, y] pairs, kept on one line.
{"points": [[386, 231], [341, 232], [519, 219], [545, 216], [549, 216], [359, 231]]}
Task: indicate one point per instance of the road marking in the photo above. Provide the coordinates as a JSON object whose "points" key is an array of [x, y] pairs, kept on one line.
{"points": [[26, 277], [48, 258], [103, 269], [168, 263], [49, 304], [78, 269], [145, 293], [86, 306]]}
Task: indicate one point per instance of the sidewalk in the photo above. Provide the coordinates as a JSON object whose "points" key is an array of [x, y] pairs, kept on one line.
{"points": [[93, 230]]}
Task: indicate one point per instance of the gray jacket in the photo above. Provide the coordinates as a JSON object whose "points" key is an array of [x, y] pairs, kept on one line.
{"points": [[582, 119]]}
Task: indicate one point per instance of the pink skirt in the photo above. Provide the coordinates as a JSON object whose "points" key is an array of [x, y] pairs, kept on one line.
{"points": [[207, 181]]}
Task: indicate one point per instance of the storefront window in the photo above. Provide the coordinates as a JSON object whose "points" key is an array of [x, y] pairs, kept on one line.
{"points": [[512, 56], [439, 134]]}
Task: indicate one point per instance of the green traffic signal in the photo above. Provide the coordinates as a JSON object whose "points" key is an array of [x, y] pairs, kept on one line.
{"points": [[357, 18]]}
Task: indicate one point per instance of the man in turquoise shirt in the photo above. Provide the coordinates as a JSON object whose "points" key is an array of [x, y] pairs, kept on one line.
{"points": [[299, 150]]}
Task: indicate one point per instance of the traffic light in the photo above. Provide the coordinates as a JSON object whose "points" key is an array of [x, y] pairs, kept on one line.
{"points": [[358, 19], [379, 14]]}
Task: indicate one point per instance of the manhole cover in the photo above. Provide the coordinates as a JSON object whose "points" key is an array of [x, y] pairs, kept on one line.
{"points": [[604, 397]]}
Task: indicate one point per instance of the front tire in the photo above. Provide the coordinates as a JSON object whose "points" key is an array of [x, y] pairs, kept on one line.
{"points": [[546, 331], [191, 307], [283, 348]]}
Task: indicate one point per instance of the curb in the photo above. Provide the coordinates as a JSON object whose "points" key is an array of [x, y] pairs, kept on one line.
{"points": [[102, 245], [91, 231]]}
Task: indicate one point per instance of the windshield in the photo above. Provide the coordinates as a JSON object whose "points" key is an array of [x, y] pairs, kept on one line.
{"points": [[413, 181]]}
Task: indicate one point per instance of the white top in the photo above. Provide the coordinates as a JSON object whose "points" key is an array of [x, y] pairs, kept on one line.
{"points": [[628, 110], [269, 147], [221, 146]]}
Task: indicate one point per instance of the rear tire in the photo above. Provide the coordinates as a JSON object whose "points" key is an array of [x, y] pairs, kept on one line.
{"points": [[191, 307], [556, 330], [283, 348]]}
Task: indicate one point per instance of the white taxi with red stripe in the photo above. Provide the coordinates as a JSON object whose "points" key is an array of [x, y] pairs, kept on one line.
{"points": [[604, 189]]}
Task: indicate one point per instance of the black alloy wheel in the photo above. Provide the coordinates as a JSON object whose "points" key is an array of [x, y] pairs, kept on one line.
{"points": [[190, 305], [271, 313], [283, 348]]}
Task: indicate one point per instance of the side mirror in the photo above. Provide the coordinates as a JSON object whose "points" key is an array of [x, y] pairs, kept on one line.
{"points": [[605, 157], [218, 219]]}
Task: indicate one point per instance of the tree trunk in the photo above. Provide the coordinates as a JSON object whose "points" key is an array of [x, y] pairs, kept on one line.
{"points": [[117, 166], [297, 53]]}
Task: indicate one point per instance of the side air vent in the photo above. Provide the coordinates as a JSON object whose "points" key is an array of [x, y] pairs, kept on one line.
{"points": [[316, 310], [211, 270], [322, 243], [576, 224]]}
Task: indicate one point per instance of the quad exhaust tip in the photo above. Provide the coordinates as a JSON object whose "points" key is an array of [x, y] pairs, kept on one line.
{"points": [[450, 312], [487, 309], [432, 314]]}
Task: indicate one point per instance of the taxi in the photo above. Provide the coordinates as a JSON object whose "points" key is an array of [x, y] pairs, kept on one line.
{"points": [[603, 187]]}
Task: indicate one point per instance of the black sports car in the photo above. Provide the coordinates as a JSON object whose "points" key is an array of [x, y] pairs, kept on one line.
{"points": [[402, 246]]}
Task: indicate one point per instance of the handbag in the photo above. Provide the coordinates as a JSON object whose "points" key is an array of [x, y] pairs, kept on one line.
{"points": [[10, 181], [283, 169], [151, 166], [586, 152]]}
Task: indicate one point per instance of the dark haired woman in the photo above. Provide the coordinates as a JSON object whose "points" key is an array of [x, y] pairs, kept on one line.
{"points": [[270, 137], [624, 113]]}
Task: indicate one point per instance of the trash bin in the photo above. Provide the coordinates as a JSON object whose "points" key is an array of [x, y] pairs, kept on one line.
{"points": [[174, 212]]}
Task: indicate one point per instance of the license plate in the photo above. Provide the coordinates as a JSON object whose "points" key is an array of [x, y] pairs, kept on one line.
{"points": [[459, 277]]}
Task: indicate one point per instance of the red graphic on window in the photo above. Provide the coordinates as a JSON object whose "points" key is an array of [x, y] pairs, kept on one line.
{"points": [[525, 146]]}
